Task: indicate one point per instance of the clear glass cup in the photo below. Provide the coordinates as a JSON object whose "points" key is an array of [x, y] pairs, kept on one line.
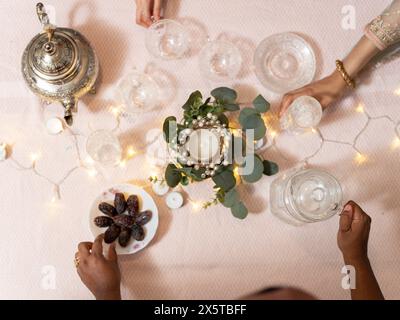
{"points": [[220, 61], [167, 39], [104, 148], [137, 92], [303, 114], [305, 196], [284, 62]]}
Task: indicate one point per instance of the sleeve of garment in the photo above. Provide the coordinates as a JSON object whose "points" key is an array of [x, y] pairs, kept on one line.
{"points": [[384, 30]]}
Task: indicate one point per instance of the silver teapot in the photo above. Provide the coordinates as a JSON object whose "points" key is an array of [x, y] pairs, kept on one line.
{"points": [[59, 65]]}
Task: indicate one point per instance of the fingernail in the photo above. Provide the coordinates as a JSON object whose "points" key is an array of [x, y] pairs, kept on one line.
{"points": [[348, 208]]}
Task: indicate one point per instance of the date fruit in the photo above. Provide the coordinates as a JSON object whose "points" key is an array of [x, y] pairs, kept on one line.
{"points": [[124, 220], [120, 203], [112, 233], [143, 217], [137, 232], [107, 209], [132, 204], [124, 237], [103, 221]]}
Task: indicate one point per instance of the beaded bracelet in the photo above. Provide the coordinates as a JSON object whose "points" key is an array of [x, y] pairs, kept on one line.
{"points": [[349, 81]]}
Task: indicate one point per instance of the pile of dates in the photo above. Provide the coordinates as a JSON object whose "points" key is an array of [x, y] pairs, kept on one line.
{"points": [[122, 225]]}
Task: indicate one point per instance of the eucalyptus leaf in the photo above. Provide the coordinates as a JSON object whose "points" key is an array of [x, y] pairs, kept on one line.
{"points": [[257, 170], [260, 104], [252, 121], [172, 176], [270, 168], [169, 129], [260, 132], [244, 113], [231, 198], [194, 99], [225, 180], [239, 211], [185, 181], [224, 94], [231, 107]]}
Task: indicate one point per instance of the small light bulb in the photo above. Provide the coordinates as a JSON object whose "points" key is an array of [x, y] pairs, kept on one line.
{"points": [[92, 172], [116, 111], [196, 205], [396, 143], [35, 157], [131, 152], [273, 134], [360, 158], [397, 92], [360, 108]]}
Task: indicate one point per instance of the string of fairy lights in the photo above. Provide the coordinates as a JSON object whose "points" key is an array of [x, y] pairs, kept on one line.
{"points": [[130, 152]]}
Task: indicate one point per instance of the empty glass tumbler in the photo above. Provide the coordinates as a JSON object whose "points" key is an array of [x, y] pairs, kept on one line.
{"points": [[104, 148], [306, 195], [303, 114]]}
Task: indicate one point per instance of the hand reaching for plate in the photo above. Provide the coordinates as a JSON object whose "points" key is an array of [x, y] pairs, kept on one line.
{"points": [[99, 273], [148, 11]]}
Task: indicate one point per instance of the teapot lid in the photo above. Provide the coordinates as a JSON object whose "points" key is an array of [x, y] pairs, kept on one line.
{"points": [[53, 59], [53, 55]]}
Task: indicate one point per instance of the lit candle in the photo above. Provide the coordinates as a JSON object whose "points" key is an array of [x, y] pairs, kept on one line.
{"points": [[174, 200]]}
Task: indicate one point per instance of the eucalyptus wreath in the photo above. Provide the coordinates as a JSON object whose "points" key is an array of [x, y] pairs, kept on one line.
{"points": [[209, 113]]}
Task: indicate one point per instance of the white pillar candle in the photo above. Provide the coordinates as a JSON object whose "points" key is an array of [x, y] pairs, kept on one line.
{"points": [[3, 151], [54, 126], [174, 200], [203, 145], [160, 188]]}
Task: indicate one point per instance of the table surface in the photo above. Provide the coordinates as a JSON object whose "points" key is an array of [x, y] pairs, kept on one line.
{"points": [[195, 254]]}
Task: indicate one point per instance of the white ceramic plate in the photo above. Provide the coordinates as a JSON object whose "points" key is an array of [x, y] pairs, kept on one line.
{"points": [[146, 202], [284, 62]]}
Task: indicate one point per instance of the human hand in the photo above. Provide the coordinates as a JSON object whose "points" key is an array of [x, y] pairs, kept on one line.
{"points": [[100, 274], [326, 91], [352, 238], [146, 10]]}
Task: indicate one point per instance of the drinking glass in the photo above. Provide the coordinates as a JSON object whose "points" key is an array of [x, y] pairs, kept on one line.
{"points": [[104, 148], [220, 61], [304, 113], [307, 195], [137, 93], [167, 39]]}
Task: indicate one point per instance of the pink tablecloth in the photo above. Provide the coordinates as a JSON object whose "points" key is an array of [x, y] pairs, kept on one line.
{"points": [[203, 254]]}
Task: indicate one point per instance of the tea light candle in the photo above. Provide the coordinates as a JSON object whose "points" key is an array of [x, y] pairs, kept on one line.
{"points": [[54, 126], [174, 200], [203, 145], [3, 151], [160, 188]]}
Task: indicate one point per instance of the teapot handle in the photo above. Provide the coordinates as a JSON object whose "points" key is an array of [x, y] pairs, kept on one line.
{"points": [[41, 12], [45, 21]]}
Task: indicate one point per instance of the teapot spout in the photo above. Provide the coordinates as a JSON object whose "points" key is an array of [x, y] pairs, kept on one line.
{"points": [[69, 105]]}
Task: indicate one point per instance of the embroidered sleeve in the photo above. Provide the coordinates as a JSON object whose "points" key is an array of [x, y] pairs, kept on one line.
{"points": [[384, 30]]}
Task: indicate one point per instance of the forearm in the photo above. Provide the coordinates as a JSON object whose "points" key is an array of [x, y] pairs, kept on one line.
{"points": [[367, 287], [359, 56]]}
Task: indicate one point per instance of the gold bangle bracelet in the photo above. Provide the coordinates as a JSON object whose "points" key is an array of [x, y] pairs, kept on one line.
{"points": [[349, 81]]}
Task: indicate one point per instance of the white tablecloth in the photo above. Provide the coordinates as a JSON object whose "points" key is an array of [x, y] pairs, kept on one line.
{"points": [[196, 254]]}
